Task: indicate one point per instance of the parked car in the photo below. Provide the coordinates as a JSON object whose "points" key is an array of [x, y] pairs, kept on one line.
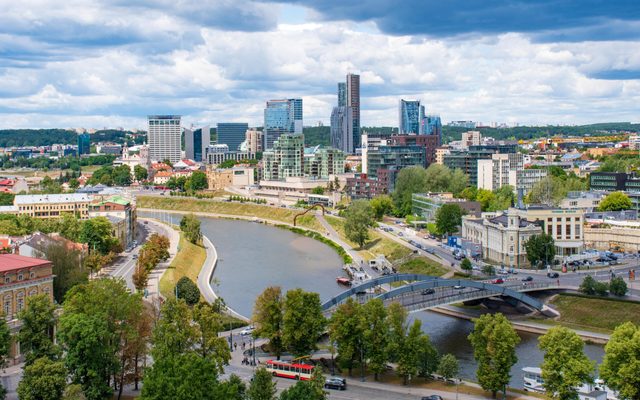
{"points": [[458, 287], [427, 292], [247, 331], [430, 251], [335, 383], [497, 281], [553, 275], [527, 279], [432, 397]]}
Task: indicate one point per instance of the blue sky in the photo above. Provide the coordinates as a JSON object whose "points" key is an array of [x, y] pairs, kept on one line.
{"points": [[100, 63]]}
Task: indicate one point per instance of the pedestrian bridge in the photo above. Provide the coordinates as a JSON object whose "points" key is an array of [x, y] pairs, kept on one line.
{"points": [[446, 291]]}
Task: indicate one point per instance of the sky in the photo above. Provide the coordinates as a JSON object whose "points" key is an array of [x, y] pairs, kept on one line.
{"points": [[110, 63]]}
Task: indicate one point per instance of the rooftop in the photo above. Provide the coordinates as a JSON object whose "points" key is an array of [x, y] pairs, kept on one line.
{"points": [[9, 262], [27, 199]]}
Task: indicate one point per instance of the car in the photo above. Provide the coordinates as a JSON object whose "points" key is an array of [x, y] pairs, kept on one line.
{"points": [[335, 383], [502, 272], [476, 267], [134, 256], [497, 281], [458, 287], [430, 251], [426, 237], [400, 234], [247, 331], [427, 292], [527, 279], [432, 397], [553, 275]]}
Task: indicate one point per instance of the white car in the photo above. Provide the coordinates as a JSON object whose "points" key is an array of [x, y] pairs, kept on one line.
{"points": [[247, 331]]}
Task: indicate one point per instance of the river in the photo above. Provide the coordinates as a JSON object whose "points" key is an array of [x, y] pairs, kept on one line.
{"points": [[253, 256]]}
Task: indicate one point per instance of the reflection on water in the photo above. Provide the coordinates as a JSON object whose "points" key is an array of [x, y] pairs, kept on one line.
{"points": [[254, 256]]}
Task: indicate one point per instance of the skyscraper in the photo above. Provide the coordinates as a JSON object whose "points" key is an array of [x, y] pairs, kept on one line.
{"points": [[285, 159], [84, 144], [342, 94], [411, 115], [196, 143], [342, 129], [353, 101], [232, 134], [281, 117], [432, 126], [164, 137]]}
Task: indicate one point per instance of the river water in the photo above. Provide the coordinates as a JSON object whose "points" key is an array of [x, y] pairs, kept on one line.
{"points": [[254, 256]]}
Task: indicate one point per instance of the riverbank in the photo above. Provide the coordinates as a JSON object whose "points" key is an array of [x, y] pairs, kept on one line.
{"points": [[187, 262], [530, 325]]}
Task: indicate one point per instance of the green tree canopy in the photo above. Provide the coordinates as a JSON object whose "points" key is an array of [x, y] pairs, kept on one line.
{"points": [[303, 322], [409, 180], [617, 286], [43, 379], [190, 226], [448, 367], [540, 249], [140, 173], [358, 219], [187, 290], [318, 190], [621, 362], [565, 366], [494, 347], [376, 336], [615, 201], [267, 315], [97, 234], [448, 218], [262, 386], [199, 180], [346, 330], [36, 333], [382, 205]]}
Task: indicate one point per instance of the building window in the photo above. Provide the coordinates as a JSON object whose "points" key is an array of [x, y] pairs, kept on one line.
{"points": [[7, 279], [20, 302], [559, 231], [32, 275], [33, 292], [6, 306], [577, 231], [20, 276]]}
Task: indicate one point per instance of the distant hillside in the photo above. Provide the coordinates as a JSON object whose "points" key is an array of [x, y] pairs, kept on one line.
{"points": [[47, 137], [317, 135]]}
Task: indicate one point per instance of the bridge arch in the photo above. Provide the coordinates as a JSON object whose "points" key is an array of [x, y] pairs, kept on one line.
{"points": [[307, 210]]}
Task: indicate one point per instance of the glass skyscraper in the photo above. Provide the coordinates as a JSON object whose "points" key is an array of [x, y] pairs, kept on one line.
{"points": [[281, 117], [196, 143], [342, 94], [411, 115], [84, 144], [353, 101], [232, 134]]}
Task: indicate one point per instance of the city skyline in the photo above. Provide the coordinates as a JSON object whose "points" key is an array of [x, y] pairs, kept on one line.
{"points": [[108, 64]]}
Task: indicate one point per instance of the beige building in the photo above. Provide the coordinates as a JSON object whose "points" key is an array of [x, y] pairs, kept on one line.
{"points": [[502, 237], [471, 138], [440, 153], [253, 137], [613, 235], [53, 205], [566, 227], [220, 179]]}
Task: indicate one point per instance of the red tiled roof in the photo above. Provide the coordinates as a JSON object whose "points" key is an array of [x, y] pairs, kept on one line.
{"points": [[9, 262], [7, 182]]}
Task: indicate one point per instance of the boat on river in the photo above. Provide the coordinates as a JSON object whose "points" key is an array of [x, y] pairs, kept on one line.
{"points": [[343, 280], [597, 390]]}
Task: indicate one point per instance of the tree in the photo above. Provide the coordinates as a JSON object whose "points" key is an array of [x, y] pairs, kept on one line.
{"points": [[448, 366], [588, 285], [565, 366], [347, 330], [552, 189], [96, 233], [307, 390], [73, 183], [397, 323], [358, 220], [6, 199], [428, 358], [140, 173], [615, 201], [621, 362], [617, 286], [190, 226], [381, 205], [448, 218], [262, 386], [5, 345], [317, 190], [457, 182], [408, 355], [540, 249], [409, 180], [303, 322], [188, 291], [199, 180], [488, 269], [437, 178], [376, 336], [494, 347], [43, 379], [73, 392], [267, 316], [36, 333], [466, 265], [209, 324], [67, 268]]}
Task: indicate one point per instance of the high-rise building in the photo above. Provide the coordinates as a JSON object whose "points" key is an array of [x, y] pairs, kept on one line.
{"points": [[285, 159], [84, 144], [232, 134], [342, 129], [411, 115], [324, 163], [164, 137], [253, 137], [196, 143], [432, 125], [281, 117], [342, 94], [353, 101]]}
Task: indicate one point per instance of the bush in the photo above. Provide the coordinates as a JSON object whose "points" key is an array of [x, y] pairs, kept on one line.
{"points": [[188, 291], [618, 287], [466, 265]]}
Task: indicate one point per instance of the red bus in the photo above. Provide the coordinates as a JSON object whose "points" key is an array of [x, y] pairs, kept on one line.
{"points": [[290, 370]]}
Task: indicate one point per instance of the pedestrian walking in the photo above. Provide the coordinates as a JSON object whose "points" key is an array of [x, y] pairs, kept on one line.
{"points": [[235, 346]]}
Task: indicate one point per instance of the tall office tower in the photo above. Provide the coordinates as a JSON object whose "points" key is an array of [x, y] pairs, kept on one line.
{"points": [[84, 144], [196, 143], [253, 137], [281, 117], [342, 94], [232, 134], [353, 101], [411, 115], [342, 129], [164, 137], [431, 125]]}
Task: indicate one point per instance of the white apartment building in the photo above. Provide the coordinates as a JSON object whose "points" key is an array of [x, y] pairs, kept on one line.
{"points": [[501, 170], [164, 138], [634, 142], [471, 138]]}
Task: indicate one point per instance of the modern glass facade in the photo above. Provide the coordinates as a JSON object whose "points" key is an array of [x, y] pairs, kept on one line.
{"points": [[196, 143], [342, 129], [281, 117], [285, 159], [411, 115], [432, 125], [353, 101], [84, 144], [342, 94], [232, 134], [394, 158], [325, 163]]}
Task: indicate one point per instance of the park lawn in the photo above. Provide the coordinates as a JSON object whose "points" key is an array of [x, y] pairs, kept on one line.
{"points": [[188, 262], [285, 215], [589, 313], [422, 265]]}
